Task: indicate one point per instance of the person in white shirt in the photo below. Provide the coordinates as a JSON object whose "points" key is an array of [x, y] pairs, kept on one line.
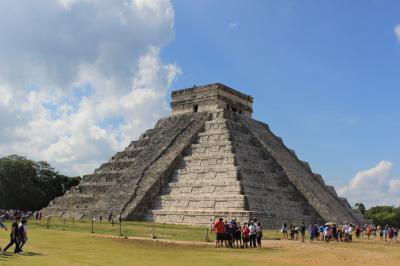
{"points": [[350, 232]]}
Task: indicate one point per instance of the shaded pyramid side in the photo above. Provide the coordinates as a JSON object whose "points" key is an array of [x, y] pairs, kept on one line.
{"points": [[321, 197], [270, 193], [127, 183]]}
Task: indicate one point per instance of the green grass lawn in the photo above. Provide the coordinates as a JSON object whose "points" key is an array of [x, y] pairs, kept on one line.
{"points": [[77, 246], [136, 229]]}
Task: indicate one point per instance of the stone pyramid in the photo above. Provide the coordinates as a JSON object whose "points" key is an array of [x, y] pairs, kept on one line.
{"points": [[208, 159]]}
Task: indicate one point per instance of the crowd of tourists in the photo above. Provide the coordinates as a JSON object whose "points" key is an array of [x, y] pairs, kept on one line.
{"points": [[230, 233], [233, 234], [340, 233], [18, 230]]}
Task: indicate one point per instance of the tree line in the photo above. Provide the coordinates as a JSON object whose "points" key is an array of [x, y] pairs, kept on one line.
{"points": [[381, 215], [30, 185]]}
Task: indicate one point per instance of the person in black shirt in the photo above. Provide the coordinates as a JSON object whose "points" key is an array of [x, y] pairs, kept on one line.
{"points": [[302, 231], [14, 236], [22, 234], [335, 233]]}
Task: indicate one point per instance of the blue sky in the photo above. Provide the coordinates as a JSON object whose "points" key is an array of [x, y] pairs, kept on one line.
{"points": [[325, 75], [98, 73]]}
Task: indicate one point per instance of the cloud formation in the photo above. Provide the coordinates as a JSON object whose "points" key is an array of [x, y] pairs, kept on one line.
{"points": [[397, 31], [374, 186], [80, 79]]}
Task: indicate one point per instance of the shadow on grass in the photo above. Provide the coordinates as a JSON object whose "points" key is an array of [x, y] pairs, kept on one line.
{"points": [[11, 255], [31, 254]]}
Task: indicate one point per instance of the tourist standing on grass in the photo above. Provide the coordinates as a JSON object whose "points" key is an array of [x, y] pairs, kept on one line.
{"points": [[321, 232], [23, 233], [390, 234], [335, 233], [219, 229], [369, 231], [312, 232], [292, 229], [327, 233], [14, 236], [284, 231], [110, 217], [246, 235], [385, 231], [259, 234], [350, 233], [238, 235], [395, 234], [253, 234], [346, 232], [302, 231]]}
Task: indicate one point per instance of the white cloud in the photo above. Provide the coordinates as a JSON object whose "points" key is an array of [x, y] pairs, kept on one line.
{"points": [[80, 79], [397, 31], [374, 186], [232, 24]]}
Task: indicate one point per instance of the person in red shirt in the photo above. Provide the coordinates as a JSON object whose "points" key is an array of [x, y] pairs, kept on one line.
{"points": [[219, 229], [246, 235]]}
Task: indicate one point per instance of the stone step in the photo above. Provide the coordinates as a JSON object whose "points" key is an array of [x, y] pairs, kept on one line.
{"points": [[210, 161], [205, 175], [206, 156], [187, 188], [198, 217], [213, 182], [91, 187], [208, 145], [204, 197], [101, 177], [204, 179], [216, 134], [212, 201]]}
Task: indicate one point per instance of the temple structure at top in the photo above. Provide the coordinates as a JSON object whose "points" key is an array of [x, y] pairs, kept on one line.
{"points": [[211, 97]]}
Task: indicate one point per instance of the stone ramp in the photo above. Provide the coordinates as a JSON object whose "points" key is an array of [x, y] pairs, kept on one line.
{"points": [[227, 173], [127, 183], [206, 183]]}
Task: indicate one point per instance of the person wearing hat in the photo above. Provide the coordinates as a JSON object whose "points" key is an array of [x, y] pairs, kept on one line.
{"points": [[14, 236]]}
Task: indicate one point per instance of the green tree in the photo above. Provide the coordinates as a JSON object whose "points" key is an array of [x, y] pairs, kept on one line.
{"points": [[29, 185], [360, 206], [382, 215]]}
